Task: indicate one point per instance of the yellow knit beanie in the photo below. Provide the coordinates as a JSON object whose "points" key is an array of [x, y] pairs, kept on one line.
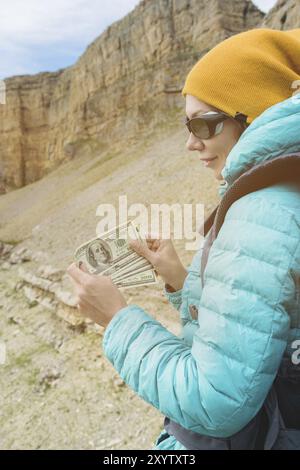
{"points": [[248, 72]]}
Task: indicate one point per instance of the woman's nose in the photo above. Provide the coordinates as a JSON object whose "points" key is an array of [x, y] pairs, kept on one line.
{"points": [[193, 143]]}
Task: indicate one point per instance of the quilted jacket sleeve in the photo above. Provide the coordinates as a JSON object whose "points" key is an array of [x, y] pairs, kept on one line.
{"points": [[188, 295], [175, 298], [193, 269], [219, 383]]}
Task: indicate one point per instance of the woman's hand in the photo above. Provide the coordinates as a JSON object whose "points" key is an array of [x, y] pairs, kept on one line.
{"points": [[164, 259], [98, 297]]}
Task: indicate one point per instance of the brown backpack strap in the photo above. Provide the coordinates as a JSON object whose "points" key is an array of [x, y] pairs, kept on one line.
{"points": [[205, 252], [204, 229]]}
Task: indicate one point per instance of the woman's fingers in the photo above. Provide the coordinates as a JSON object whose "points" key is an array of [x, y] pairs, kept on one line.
{"points": [[151, 245], [76, 273], [156, 244], [142, 249], [153, 241], [151, 236], [82, 266]]}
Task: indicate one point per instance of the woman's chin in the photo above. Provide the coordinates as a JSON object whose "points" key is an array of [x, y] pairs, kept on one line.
{"points": [[218, 176]]}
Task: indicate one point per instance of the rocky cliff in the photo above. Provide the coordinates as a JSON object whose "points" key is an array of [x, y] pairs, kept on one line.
{"points": [[284, 15], [123, 86], [58, 390]]}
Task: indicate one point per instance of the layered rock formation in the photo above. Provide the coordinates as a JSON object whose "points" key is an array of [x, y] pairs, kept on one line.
{"points": [[284, 15], [47, 286], [124, 85]]}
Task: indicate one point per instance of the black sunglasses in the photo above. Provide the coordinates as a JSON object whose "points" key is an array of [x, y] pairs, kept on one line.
{"points": [[210, 123]]}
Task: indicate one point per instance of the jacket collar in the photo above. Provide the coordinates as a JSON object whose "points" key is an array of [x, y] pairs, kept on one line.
{"points": [[223, 188], [274, 132]]}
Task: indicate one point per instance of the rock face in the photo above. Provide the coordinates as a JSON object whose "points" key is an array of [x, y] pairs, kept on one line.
{"points": [[284, 15], [125, 84]]}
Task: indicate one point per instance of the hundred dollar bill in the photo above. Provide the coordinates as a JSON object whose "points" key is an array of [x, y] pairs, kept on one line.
{"points": [[110, 250], [128, 264], [132, 266], [109, 254], [141, 279], [138, 273], [125, 274]]}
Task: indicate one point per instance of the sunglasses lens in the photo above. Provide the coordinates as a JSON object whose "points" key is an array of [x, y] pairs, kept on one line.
{"points": [[200, 128]]}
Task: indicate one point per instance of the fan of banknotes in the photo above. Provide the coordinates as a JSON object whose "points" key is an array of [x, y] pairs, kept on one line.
{"points": [[110, 255]]}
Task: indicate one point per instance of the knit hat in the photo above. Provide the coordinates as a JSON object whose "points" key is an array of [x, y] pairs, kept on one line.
{"points": [[248, 72]]}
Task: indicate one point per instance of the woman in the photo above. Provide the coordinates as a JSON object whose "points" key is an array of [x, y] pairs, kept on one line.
{"points": [[214, 378]]}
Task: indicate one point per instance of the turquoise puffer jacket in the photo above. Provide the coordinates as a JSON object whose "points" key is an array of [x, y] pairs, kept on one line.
{"points": [[214, 377]]}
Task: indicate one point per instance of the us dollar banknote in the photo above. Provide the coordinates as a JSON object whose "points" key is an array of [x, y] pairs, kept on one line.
{"points": [[109, 254]]}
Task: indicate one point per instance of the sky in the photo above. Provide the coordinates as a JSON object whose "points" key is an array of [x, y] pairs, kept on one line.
{"points": [[42, 35]]}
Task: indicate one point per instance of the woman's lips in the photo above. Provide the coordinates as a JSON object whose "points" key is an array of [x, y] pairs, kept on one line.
{"points": [[207, 162]]}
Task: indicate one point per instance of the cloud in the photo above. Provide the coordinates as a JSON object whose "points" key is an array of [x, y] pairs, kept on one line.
{"points": [[264, 5], [43, 35], [38, 35]]}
